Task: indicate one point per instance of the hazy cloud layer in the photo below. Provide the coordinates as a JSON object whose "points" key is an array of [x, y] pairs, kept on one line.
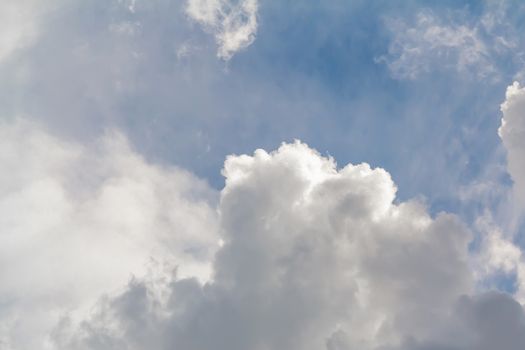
{"points": [[18, 25], [76, 222]]}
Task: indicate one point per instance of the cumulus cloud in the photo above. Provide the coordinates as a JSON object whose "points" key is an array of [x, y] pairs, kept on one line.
{"points": [[78, 221], [232, 22], [313, 257]]}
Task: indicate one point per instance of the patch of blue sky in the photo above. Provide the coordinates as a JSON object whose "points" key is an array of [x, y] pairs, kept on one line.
{"points": [[505, 282]]}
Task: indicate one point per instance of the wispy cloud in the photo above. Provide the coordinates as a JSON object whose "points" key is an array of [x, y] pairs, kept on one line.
{"points": [[429, 43], [432, 42]]}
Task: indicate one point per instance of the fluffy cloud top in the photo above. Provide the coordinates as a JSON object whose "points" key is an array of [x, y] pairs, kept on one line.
{"points": [[232, 22]]}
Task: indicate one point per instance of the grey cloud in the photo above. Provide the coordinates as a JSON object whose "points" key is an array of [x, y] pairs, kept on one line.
{"points": [[488, 321]]}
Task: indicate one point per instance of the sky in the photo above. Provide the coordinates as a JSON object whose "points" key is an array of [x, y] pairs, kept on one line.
{"points": [[260, 175]]}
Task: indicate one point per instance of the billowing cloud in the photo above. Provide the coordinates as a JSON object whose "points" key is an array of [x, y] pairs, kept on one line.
{"points": [[313, 257], [232, 22], [78, 221]]}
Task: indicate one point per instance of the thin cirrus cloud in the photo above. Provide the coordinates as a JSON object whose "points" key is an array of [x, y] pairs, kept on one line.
{"points": [[455, 41], [415, 49]]}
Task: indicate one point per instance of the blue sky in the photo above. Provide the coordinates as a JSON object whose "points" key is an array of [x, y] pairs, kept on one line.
{"points": [[413, 87]]}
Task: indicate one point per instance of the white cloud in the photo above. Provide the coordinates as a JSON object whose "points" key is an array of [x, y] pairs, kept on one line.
{"points": [[313, 257], [233, 23], [77, 221]]}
